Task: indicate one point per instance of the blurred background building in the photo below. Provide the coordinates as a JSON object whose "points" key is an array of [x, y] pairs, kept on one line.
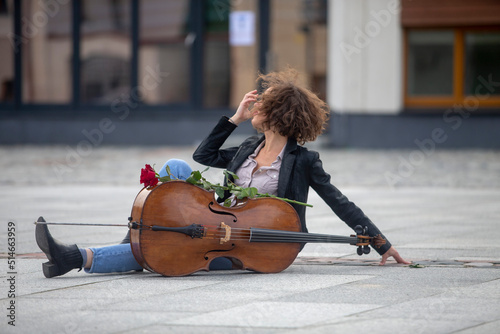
{"points": [[396, 73]]}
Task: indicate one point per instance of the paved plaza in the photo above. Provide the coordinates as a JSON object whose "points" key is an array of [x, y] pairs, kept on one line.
{"points": [[440, 209]]}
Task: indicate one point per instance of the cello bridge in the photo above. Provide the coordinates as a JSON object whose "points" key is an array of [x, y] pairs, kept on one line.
{"points": [[227, 235]]}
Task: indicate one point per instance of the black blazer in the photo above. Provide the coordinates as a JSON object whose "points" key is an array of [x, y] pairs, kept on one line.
{"points": [[300, 169]]}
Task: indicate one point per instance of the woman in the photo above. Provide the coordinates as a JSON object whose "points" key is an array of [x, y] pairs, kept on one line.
{"points": [[288, 115]]}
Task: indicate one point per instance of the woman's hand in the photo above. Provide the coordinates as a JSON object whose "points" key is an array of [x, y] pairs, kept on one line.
{"points": [[243, 114], [394, 253]]}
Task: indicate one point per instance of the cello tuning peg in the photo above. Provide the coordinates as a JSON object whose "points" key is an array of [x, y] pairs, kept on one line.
{"points": [[366, 249], [360, 251], [358, 229]]}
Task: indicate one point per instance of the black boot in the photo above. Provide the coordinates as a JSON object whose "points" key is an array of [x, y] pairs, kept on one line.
{"points": [[62, 258]]}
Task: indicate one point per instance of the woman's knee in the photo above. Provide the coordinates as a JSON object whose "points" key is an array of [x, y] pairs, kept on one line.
{"points": [[178, 168]]}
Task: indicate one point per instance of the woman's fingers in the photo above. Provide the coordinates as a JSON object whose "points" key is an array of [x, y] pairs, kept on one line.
{"points": [[249, 98], [242, 113], [392, 252]]}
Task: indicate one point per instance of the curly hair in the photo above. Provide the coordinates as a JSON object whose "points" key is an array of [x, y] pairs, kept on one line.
{"points": [[291, 109]]}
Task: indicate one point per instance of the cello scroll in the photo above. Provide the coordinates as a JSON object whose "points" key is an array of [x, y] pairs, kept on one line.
{"points": [[364, 241]]}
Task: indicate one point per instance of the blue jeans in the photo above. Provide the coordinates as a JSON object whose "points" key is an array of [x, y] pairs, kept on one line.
{"points": [[119, 258]]}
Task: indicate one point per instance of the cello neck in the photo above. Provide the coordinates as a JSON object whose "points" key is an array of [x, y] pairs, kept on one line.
{"points": [[266, 235]]}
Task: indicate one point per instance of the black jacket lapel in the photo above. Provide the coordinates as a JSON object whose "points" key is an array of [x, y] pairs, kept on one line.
{"points": [[247, 148], [286, 166]]}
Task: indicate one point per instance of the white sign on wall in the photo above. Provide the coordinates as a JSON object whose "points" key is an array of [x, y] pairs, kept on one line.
{"points": [[242, 28]]}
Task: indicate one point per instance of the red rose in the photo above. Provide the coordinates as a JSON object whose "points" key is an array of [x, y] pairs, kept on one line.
{"points": [[148, 176]]}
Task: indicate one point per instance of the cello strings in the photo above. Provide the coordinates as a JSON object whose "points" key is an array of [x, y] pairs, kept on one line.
{"points": [[274, 236], [263, 235]]}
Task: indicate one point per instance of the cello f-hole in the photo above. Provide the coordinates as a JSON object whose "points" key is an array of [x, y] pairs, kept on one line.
{"points": [[206, 256], [221, 212]]}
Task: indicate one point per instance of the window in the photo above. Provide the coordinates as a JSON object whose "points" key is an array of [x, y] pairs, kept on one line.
{"points": [[445, 67], [430, 63], [165, 51], [482, 61], [105, 50], [452, 50]]}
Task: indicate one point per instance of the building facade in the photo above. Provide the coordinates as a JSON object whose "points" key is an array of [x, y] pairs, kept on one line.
{"points": [[402, 73], [395, 73]]}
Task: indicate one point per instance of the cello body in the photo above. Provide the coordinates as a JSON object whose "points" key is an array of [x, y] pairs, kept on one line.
{"points": [[225, 232]]}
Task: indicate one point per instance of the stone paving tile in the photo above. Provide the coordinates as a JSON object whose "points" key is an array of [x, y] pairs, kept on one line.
{"points": [[81, 321], [270, 314], [443, 308], [390, 324], [489, 327]]}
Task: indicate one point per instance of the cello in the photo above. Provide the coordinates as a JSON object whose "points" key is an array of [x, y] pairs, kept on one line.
{"points": [[177, 228]]}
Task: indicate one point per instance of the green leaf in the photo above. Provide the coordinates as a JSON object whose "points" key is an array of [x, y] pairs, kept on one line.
{"points": [[196, 175], [252, 192], [164, 178], [219, 192], [248, 192], [207, 185], [243, 193], [228, 173], [192, 180], [416, 265]]}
